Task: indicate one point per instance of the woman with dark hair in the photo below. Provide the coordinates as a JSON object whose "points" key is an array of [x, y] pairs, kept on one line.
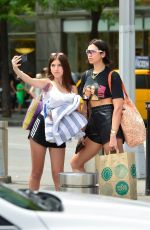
{"points": [[103, 129], [58, 91]]}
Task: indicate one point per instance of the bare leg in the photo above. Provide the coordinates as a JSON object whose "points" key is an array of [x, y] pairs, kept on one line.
{"points": [[90, 150], [57, 156], [38, 157], [19, 108]]}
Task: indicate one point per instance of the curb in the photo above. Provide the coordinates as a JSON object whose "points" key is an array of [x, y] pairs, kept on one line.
{"points": [[15, 123]]}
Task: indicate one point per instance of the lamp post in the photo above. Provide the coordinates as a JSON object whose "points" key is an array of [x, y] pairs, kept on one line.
{"points": [[147, 190], [127, 44]]}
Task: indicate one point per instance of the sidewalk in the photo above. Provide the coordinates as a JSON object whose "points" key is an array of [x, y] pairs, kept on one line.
{"points": [[20, 180], [15, 119]]}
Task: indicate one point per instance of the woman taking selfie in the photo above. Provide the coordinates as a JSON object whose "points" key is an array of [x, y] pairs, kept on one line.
{"points": [[58, 90]]}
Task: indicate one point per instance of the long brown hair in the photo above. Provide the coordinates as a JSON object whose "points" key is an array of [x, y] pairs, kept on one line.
{"points": [[67, 81]]}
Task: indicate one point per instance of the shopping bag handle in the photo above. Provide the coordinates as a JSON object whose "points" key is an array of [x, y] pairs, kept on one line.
{"points": [[109, 83], [112, 152]]}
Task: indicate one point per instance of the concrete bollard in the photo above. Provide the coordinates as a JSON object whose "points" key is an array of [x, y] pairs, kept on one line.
{"points": [[4, 152]]}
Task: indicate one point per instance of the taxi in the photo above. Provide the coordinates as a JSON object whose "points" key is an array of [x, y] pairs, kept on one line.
{"points": [[142, 91]]}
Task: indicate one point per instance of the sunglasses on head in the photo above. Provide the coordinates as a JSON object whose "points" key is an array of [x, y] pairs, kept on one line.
{"points": [[93, 51], [59, 53]]}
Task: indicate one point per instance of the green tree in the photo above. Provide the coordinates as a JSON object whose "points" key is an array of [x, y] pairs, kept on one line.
{"points": [[10, 11], [94, 7]]}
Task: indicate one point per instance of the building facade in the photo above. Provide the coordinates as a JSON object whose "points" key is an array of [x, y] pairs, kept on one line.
{"points": [[69, 31]]}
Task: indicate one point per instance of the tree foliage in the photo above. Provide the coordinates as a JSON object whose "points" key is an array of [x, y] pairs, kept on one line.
{"points": [[94, 7], [89, 5], [10, 11]]}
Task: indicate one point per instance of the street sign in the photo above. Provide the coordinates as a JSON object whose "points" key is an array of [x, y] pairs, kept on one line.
{"points": [[142, 62]]}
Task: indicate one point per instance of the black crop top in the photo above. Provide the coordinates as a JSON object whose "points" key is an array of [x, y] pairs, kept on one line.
{"points": [[97, 88]]}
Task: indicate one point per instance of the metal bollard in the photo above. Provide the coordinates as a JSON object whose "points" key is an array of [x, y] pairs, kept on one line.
{"points": [[147, 192], [4, 152], [78, 182]]}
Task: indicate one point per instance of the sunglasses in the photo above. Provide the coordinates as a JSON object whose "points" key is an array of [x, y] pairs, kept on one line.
{"points": [[93, 51]]}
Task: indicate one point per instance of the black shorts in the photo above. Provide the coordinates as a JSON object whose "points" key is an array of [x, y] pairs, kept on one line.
{"points": [[99, 125], [37, 133]]}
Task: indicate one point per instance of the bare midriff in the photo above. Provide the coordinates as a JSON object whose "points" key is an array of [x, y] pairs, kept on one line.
{"points": [[106, 101]]}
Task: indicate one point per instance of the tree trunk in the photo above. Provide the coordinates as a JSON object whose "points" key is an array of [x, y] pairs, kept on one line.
{"points": [[6, 110], [95, 17]]}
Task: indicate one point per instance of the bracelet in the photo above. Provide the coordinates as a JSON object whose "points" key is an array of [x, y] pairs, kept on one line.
{"points": [[113, 132]]}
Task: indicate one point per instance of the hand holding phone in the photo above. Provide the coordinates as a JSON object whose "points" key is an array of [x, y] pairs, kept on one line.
{"points": [[24, 58]]}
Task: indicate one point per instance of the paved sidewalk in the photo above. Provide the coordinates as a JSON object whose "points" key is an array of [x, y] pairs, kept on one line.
{"points": [[20, 179], [15, 119]]}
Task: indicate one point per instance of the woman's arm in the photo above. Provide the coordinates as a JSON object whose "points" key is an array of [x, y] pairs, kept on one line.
{"points": [[117, 113], [116, 119], [39, 83], [74, 89], [31, 91], [82, 103]]}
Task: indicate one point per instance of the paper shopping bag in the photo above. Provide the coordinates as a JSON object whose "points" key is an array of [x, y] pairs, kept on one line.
{"points": [[117, 175]]}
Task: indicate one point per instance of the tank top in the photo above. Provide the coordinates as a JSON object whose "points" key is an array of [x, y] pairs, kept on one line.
{"points": [[54, 97]]}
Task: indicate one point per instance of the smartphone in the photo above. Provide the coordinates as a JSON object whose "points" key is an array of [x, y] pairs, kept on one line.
{"points": [[24, 58]]}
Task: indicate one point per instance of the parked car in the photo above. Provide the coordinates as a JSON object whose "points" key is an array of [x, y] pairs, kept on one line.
{"points": [[46, 210]]}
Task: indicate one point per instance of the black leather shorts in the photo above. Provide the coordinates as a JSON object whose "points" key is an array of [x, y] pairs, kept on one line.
{"points": [[37, 133], [99, 125]]}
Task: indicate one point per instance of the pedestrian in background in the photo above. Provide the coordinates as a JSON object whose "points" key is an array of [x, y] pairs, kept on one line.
{"points": [[103, 129], [13, 83], [58, 89], [20, 95]]}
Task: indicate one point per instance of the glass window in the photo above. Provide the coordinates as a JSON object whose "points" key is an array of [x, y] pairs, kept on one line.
{"points": [[5, 224], [37, 201], [141, 82], [21, 38], [24, 45], [148, 81], [77, 44]]}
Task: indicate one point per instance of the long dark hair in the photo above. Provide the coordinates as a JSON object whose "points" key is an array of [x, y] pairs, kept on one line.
{"points": [[102, 45], [67, 81]]}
